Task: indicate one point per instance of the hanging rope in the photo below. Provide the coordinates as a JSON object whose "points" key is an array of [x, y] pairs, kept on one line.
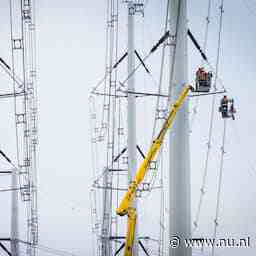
{"points": [[202, 189], [219, 185]]}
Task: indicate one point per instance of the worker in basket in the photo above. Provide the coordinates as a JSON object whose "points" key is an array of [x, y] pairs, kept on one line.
{"points": [[203, 80], [227, 107]]}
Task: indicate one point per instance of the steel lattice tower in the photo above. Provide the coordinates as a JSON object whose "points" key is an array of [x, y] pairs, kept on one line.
{"points": [[23, 74]]}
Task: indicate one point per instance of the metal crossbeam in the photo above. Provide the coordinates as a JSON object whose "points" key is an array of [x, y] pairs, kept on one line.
{"points": [[5, 249]]}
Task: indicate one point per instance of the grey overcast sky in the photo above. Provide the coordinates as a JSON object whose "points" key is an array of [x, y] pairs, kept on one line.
{"points": [[71, 50]]}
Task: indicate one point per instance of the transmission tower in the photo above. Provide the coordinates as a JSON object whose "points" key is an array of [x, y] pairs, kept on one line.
{"points": [[22, 72], [113, 129]]}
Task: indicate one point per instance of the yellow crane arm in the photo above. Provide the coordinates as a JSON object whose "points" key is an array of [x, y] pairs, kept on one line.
{"points": [[129, 196], [131, 223]]}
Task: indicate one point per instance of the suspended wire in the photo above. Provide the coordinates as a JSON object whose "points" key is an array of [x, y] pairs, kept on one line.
{"points": [[161, 70], [206, 33], [160, 85], [48, 249], [202, 189], [13, 74], [152, 182], [162, 215], [115, 121], [94, 134], [219, 185], [118, 161], [111, 56], [107, 71], [103, 80], [161, 73], [15, 100], [219, 43], [55, 251], [154, 175], [154, 48], [161, 247], [171, 85]]}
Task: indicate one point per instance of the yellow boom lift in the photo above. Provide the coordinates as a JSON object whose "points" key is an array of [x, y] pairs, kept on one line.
{"points": [[126, 207]]}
